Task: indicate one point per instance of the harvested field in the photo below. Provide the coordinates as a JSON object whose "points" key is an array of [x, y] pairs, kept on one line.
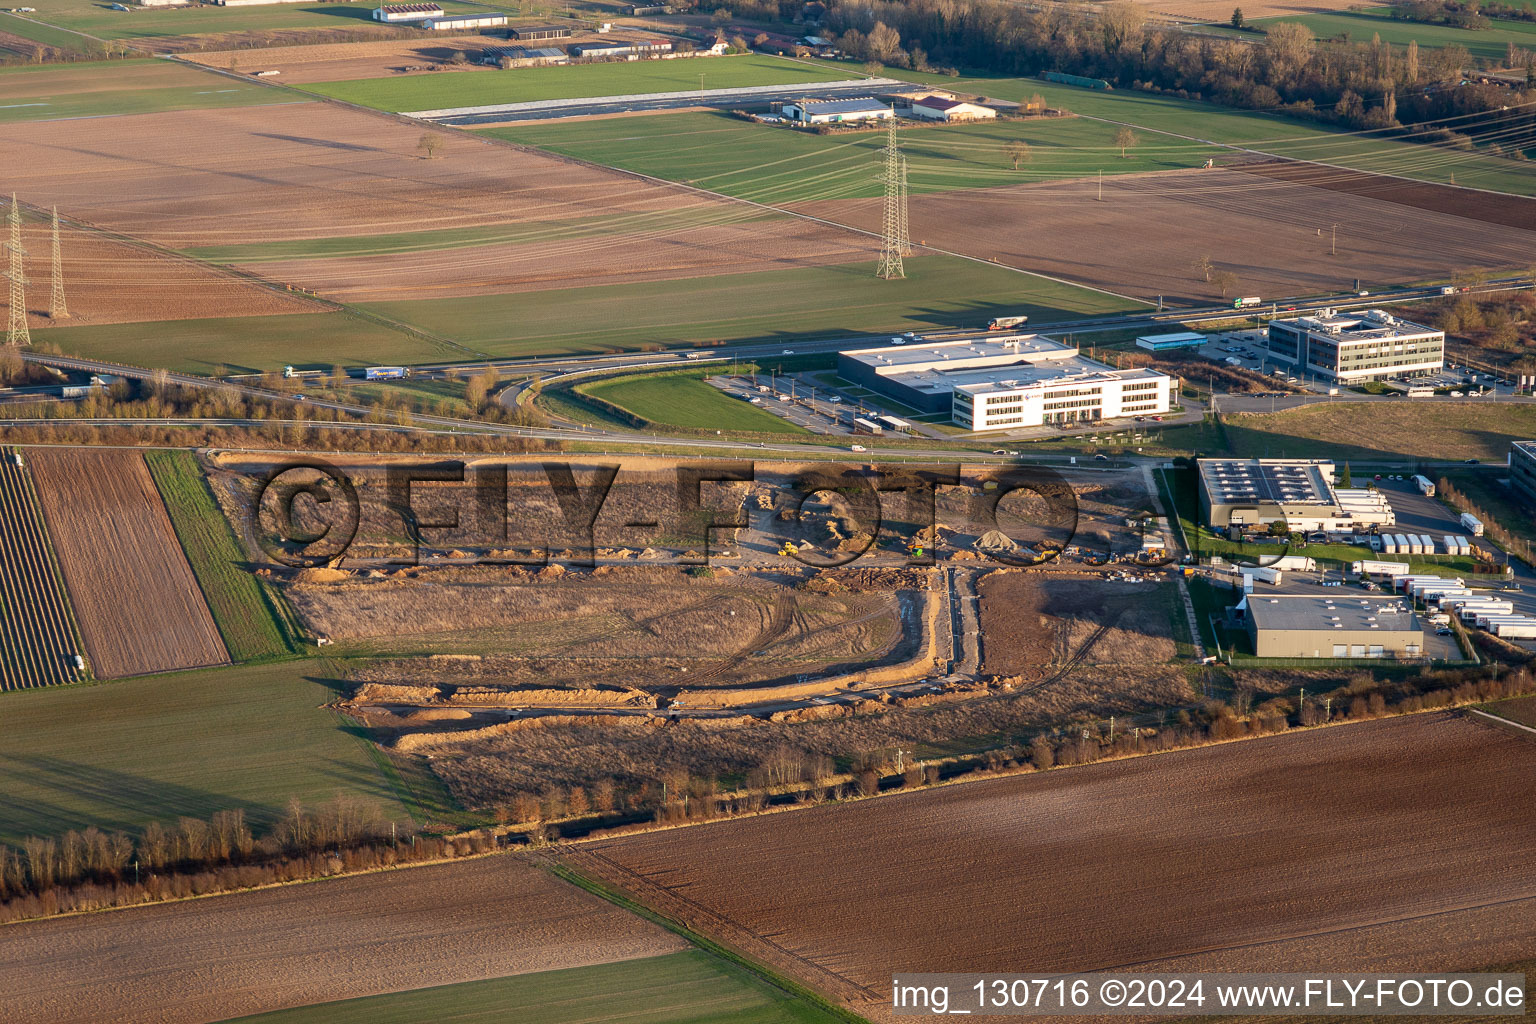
{"points": [[112, 282], [1062, 229], [1277, 853], [1522, 710], [1035, 627], [1488, 207], [139, 606], [297, 945], [37, 628]]}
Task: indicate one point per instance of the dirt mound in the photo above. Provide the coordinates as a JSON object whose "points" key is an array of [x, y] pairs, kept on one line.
{"points": [[318, 575]]}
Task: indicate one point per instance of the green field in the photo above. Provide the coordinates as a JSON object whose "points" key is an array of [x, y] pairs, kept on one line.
{"points": [[1487, 43], [98, 19], [118, 755], [58, 38], [781, 165], [518, 85], [683, 399], [1302, 140], [243, 610], [118, 87], [247, 344], [691, 987], [781, 304]]}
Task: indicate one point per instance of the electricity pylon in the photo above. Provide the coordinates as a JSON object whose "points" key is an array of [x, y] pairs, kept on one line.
{"points": [[57, 308], [16, 332], [893, 224]]}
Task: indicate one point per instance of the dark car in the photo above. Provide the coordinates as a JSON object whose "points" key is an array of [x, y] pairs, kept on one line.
{"points": [[1471, 462]]}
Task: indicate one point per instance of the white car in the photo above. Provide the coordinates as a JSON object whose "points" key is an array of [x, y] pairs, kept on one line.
{"points": [[857, 448], [834, 399], [788, 352]]}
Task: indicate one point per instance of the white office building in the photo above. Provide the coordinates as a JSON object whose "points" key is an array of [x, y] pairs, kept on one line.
{"points": [[1000, 383], [1354, 348]]}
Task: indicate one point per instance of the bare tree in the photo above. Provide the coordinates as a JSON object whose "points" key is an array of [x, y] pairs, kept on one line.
{"points": [[429, 144], [1124, 139], [1225, 280], [1204, 265], [1018, 153]]}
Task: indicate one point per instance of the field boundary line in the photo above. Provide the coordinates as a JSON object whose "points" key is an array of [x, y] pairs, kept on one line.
{"points": [[1501, 722], [630, 902]]}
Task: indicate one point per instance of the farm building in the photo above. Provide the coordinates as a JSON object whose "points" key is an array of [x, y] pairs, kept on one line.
{"points": [[167, 3], [620, 48], [991, 383], [1255, 493], [1166, 342], [1307, 626], [641, 10], [523, 56], [406, 12], [937, 108], [539, 32], [462, 22], [1522, 470], [235, 3], [859, 108], [1353, 348]]}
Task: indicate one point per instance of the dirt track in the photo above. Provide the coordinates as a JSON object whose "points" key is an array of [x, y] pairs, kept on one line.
{"points": [[228, 956], [139, 606], [1145, 236], [1273, 854]]}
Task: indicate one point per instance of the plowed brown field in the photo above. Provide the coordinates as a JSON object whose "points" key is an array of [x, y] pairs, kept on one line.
{"points": [[1144, 237], [213, 959], [1398, 844], [139, 606], [112, 282]]}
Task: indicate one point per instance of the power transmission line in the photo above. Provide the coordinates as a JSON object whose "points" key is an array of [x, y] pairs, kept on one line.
{"points": [[16, 332], [905, 237]]}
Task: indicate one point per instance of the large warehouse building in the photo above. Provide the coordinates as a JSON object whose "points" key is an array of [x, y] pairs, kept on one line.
{"points": [[1306, 626], [998, 383], [1253, 493], [1522, 470], [1354, 348], [856, 108]]}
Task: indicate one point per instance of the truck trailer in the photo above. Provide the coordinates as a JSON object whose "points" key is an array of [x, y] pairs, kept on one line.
{"points": [[1472, 524], [385, 373], [1425, 485]]}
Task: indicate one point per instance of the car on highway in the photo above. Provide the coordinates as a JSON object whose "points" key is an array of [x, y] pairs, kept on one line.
{"points": [[1471, 462], [835, 399], [999, 451], [788, 352], [1101, 458], [857, 448]]}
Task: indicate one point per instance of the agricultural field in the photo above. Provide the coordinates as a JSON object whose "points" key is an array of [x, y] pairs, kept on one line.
{"points": [[139, 606], [112, 281], [119, 87], [239, 601], [780, 165], [690, 987], [518, 85], [22, 39], [1306, 833], [119, 756], [684, 400], [1064, 229], [309, 341], [1448, 430], [297, 945], [169, 30], [940, 291], [1521, 710], [315, 62], [36, 623], [1490, 44], [1252, 131]]}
